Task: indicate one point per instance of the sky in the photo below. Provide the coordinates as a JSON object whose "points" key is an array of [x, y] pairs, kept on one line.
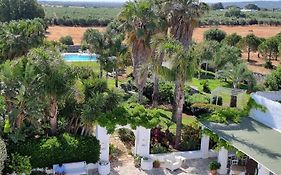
{"points": [[125, 0]]}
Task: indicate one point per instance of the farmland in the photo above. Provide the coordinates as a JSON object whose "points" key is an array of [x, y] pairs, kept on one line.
{"points": [[55, 32], [93, 16]]}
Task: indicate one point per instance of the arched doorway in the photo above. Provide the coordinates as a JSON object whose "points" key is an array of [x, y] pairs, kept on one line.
{"points": [[142, 141]]}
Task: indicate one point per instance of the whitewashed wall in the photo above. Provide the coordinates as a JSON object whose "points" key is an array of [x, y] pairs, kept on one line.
{"points": [[271, 95], [272, 117]]}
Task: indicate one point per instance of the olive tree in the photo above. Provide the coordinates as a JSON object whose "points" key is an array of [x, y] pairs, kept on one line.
{"points": [[250, 43], [214, 34]]}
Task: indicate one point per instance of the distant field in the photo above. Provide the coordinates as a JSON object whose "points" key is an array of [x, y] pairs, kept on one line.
{"points": [[256, 65], [55, 32], [80, 12]]}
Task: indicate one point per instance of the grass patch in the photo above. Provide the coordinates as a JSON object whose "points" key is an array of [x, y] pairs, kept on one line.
{"points": [[213, 83]]}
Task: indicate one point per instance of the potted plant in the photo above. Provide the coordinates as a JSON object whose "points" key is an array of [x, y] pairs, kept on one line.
{"points": [[214, 166], [104, 167], [156, 164]]}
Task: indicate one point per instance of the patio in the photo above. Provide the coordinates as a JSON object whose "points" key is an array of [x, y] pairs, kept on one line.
{"points": [[191, 167]]}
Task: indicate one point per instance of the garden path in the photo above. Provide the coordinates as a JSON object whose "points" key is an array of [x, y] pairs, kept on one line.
{"points": [[124, 164]]}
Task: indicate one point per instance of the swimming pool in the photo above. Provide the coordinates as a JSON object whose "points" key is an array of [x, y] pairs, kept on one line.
{"points": [[75, 57]]}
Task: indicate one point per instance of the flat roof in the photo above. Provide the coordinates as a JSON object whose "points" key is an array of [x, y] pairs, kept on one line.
{"points": [[261, 143]]}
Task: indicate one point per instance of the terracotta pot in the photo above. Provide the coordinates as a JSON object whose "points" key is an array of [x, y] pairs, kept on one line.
{"points": [[214, 172]]}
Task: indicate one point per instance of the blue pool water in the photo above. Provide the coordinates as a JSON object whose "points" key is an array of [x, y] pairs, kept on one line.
{"points": [[79, 57]]}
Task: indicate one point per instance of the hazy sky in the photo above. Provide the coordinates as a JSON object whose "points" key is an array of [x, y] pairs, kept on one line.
{"points": [[125, 0]]}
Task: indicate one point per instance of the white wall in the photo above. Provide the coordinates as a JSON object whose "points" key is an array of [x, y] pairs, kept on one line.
{"points": [[272, 117]]}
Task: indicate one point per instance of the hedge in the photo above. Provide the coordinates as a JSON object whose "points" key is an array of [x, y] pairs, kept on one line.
{"points": [[64, 148]]}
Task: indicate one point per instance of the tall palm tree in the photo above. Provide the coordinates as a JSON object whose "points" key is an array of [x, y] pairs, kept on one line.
{"points": [[97, 42], [182, 17], [181, 67], [139, 22], [57, 81]]}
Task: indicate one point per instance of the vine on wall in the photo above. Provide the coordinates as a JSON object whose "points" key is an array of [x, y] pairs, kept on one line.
{"points": [[131, 114]]}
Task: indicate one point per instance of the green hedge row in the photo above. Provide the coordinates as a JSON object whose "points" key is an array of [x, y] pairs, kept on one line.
{"points": [[64, 148]]}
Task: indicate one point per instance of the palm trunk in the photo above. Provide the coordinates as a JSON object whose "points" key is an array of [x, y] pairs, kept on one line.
{"points": [[53, 115], [140, 55], [249, 54], [155, 95], [19, 120], [116, 78], [101, 70], [179, 101]]}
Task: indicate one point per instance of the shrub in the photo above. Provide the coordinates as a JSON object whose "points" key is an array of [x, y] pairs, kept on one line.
{"points": [[214, 165], [3, 154], [165, 91], [206, 88], [156, 164], [157, 148], [268, 65], [202, 108], [63, 148], [198, 98], [190, 137], [67, 40], [20, 164], [214, 34], [226, 115]]}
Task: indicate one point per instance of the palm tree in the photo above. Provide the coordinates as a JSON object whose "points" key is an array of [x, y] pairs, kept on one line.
{"points": [[97, 42], [237, 74], [156, 61], [139, 22], [21, 89], [57, 81], [182, 17], [181, 67]]}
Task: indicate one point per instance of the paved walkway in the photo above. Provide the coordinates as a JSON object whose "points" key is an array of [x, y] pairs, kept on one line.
{"points": [[125, 164], [192, 167]]}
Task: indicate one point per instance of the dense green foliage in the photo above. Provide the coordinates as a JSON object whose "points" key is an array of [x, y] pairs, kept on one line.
{"points": [[17, 37], [75, 16], [63, 148], [67, 40], [273, 81], [20, 9], [214, 165], [133, 114], [217, 17], [214, 34], [20, 164]]}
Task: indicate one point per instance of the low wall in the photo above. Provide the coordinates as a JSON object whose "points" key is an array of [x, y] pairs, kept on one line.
{"points": [[272, 117], [186, 154]]}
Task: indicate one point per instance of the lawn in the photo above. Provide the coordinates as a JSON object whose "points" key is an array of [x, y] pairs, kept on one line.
{"points": [[213, 83], [96, 67]]}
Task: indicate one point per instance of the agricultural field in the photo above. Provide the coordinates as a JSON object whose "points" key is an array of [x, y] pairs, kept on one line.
{"points": [[91, 16], [256, 65], [80, 16], [55, 32]]}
